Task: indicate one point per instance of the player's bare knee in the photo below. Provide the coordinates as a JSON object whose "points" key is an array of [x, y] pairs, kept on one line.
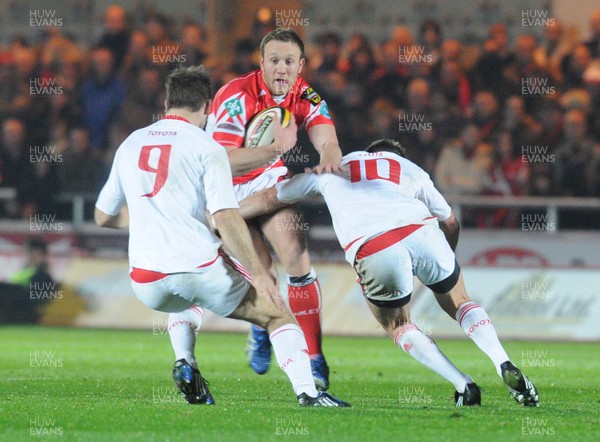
{"points": [[391, 314], [294, 257], [274, 322]]}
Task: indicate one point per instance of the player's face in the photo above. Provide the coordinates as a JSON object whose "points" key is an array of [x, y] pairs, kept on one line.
{"points": [[280, 66]]}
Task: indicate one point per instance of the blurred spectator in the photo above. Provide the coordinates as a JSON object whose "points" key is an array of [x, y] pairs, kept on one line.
{"points": [[505, 172], [574, 157], [464, 164], [416, 124], [430, 41], [593, 43], [23, 94], [243, 61], [550, 119], [80, 170], [37, 194], [68, 72], [447, 119], [576, 99], [138, 57], [430, 36], [14, 153], [391, 77], [59, 136], [383, 117], [116, 33], [165, 52], [553, 49], [451, 50], [489, 70], [157, 29], [145, 104], [360, 63], [329, 53], [102, 94], [527, 77], [36, 270], [591, 78], [23, 300], [56, 50], [522, 127], [454, 84], [486, 115], [593, 173], [65, 107], [193, 45], [574, 65], [576, 169], [512, 168]]}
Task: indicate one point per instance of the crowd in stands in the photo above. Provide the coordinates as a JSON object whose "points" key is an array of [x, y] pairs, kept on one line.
{"points": [[510, 116]]}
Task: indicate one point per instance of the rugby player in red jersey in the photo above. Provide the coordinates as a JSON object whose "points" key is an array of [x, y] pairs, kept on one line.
{"points": [[277, 83]]}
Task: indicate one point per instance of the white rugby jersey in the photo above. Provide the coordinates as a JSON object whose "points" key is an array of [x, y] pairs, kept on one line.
{"points": [[384, 191], [168, 174]]}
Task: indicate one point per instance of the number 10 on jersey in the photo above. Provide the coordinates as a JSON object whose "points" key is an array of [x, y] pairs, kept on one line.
{"points": [[371, 170]]}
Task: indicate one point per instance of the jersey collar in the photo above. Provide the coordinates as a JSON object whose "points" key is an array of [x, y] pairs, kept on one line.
{"points": [[175, 117], [265, 90]]}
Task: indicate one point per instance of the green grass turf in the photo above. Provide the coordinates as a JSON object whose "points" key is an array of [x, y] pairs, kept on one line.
{"points": [[116, 385]]}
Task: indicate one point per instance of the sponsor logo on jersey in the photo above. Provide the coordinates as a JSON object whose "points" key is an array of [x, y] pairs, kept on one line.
{"points": [[230, 127], [324, 110], [164, 133], [310, 95], [234, 107]]}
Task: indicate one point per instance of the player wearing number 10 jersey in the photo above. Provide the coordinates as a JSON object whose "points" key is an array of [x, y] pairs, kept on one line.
{"points": [[385, 215]]}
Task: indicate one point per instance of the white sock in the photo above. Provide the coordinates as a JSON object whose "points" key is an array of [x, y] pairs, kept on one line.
{"points": [[416, 343], [477, 325], [291, 353], [183, 328]]}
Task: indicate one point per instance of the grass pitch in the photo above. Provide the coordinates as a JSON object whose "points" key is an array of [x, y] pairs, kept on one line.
{"points": [[97, 385]]}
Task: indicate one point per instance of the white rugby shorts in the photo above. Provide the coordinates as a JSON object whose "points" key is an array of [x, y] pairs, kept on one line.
{"points": [[265, 180], [219, 287], [386, 272]]}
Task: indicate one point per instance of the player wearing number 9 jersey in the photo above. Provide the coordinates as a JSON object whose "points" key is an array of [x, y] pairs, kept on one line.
{"points": [[385, 215], [169, 174]]}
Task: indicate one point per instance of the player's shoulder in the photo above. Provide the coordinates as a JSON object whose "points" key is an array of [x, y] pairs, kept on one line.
{"points": [[246, 83], [306, 92]]}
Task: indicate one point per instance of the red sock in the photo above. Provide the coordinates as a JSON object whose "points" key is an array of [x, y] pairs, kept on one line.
{"points": [[304, 295]]}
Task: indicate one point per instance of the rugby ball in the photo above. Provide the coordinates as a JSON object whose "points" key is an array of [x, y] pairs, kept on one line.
{"points": [[260, 131]]}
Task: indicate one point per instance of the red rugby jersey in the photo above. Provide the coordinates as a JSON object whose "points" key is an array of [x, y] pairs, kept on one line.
{"points": [[243, 97]]}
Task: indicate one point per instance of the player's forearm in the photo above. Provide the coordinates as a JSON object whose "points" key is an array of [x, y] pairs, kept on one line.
{"points": [[236, 236], [330, 154], [324, 138], [246, 160], [260, 203], [451, 229]]}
